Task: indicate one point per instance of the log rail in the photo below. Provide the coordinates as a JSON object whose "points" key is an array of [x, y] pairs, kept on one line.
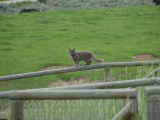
{"points": [[81, 68]]}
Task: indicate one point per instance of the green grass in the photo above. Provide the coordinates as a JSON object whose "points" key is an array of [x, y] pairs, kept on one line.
{"points": [[29, 42], [73, 109], [70, 109]]}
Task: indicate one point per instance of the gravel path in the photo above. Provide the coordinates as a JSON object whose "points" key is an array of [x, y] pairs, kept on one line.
{"points": [[14, 1]]}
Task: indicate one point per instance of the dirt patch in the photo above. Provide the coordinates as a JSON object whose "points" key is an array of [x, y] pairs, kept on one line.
{"points": [[56, 67], [81, 81], [66, 83], [63, 66], [146, 57], [61, 82]]}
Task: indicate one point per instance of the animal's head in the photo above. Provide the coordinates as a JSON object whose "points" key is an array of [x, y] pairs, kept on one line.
{"points": [[72, 52]]}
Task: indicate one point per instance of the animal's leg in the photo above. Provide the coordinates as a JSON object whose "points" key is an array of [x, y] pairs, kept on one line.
{"points": [[76, 63], [88, 62]]}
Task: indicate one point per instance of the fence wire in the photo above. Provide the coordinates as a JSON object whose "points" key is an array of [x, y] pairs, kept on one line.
{"points": [[69, 109], [154, 105]]}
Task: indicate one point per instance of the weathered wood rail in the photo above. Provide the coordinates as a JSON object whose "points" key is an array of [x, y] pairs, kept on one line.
{"points": [[17, 97], [73, 94], [106, 85], [129, 111], [153, 107], [154, 72], [81, 68]]}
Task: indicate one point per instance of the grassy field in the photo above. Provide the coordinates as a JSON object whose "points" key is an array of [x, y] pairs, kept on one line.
{"points": [[30, 42]]}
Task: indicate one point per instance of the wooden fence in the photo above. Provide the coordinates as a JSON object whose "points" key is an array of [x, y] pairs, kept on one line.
{"points": [[154, 72], [153, 94], [90, 91], [106, 85], [106, 66], [129, 112]]}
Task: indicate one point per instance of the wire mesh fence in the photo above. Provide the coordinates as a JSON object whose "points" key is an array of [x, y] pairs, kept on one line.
{"points": [[77, 109], [69, 109], [154, 108], [153, 102]]}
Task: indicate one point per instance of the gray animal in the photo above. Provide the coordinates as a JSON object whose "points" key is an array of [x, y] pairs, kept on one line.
{"points": [[86, 56]]}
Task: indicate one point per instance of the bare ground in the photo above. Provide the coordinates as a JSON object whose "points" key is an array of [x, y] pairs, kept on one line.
{"points": [[81, 81], [61, 82], [56, 67], [146, 57]]}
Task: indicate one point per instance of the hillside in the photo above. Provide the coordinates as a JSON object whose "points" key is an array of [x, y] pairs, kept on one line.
{"points": [[33, 41]]}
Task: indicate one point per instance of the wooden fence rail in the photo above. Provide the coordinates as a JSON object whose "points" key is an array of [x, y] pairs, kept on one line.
{"points": [[154, 72], [74, 69], [17, 97], [74, 94], [152, 90], [129, 111], [108, 85]]}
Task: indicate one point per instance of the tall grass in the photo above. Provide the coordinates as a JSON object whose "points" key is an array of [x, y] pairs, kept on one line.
{"points": [[69, 109], [73, 109]]}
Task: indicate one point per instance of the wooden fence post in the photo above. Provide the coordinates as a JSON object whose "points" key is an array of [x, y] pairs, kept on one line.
{"points": [[129, 111], [154, 107], [107, 74], [16, 109], [134, 109]]}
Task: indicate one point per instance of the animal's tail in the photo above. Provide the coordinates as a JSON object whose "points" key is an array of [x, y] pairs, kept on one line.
{"points": [[95, 59]]}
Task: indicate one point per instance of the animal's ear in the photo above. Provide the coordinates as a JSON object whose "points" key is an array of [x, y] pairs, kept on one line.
{"points": [[74, 49], [69, 49]]}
